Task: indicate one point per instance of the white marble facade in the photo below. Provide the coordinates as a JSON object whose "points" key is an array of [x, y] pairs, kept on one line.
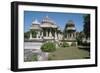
{"points": [[46, 29]]}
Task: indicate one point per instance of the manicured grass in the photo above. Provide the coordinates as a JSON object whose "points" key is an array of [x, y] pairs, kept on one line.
{"points": [[68, 53]]}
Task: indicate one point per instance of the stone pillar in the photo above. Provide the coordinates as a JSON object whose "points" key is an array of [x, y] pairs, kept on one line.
{"points": [[74, 34], [67, 36], [71, 35], [50, 33], [30, 35], [55, 35], [59, 36], [42, 33], [46, 33], [37, 34]]}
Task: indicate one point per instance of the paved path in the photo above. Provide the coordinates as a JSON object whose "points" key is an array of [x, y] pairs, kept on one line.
{"points": [[40, 55], [32, 45]]}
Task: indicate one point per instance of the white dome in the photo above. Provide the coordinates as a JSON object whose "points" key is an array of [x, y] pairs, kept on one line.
{"points": [[47, 20], [35, 25], [35, 22]]}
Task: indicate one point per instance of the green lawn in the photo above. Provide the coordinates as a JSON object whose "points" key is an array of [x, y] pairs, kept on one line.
{"points": [[68, 53]]}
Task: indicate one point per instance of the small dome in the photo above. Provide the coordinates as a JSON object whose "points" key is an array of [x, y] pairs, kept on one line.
{"points": [[70, 23], [35, 22], [35, 25], [47, 20]]}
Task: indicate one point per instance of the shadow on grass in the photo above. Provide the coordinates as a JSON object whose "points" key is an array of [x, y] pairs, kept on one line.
{"points": [[87, 48], [86, 57]]}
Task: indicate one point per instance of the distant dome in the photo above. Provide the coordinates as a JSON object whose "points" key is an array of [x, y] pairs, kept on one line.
{"points": [[47, 22], [70, 23]]}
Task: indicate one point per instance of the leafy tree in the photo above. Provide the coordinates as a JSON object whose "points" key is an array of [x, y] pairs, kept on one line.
{"points": [[80, 37], [87, 25], [27, 35]]}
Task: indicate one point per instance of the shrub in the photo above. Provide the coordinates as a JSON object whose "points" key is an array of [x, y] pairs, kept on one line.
{"points": [[64, 44], [34, 57], [48, 47], [73, 44]]}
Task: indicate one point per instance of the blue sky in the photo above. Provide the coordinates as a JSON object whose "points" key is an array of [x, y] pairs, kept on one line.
{"points": [[60, 18]]}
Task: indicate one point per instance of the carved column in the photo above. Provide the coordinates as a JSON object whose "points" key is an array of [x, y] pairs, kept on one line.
{"points": [[37, 34], [30, 35], [46, 33], [55, 34], [50, 34]]}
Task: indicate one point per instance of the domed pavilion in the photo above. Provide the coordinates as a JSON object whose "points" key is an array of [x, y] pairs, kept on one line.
{"points": [[35, 30], [70, 32], [47, 29]]}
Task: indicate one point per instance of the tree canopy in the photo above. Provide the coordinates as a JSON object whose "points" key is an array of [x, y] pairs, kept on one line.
{"points": [[27, 34], [87, 25]]}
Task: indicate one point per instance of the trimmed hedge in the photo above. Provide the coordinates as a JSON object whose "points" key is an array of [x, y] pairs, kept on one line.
{"points": [[48, 47]]}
